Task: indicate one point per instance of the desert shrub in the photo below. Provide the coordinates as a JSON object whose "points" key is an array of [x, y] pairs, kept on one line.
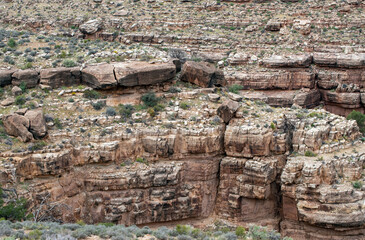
{"points": [[174, 90], [110, 111], [37, 146], [20, 100], [69, 63], [235, 88], [309, 153], [57, 123], [5, 230], [357, 184], [359, 118], [23, 86], [126, 110], [241, 231], [71, 226], [9, 60], [228, 236], [150, 99], [184, 105], [151, 112], [35, 234], [12, 43], [91, 94], [14, 208], [183, 229], [161, 233], [98, 105], [58, 237]]}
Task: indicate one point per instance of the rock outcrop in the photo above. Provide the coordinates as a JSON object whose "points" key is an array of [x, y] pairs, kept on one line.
{"points": [[17, 126], [202, 74]]}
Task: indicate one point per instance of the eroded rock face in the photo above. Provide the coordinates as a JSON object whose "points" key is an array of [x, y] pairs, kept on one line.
{"points": [[202, 74], [29, 77], [91, 27], [99, 76], [320, 193], [248, 167], [143, 73], [5, 77], [58, 77], [37, 123], [17, 126]]}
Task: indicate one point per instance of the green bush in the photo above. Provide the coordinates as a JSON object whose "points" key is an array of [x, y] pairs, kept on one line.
{"points": [[240, 232], [359, 118], [184, 105], [150, 99], [310, 154], [69, 63], [357, 184], [12, 43], [98, 105], [13, 209], [57, 123], [235, 88], [23, 86], [110, 111], [20, 100], [125, 111], [91, 94]]}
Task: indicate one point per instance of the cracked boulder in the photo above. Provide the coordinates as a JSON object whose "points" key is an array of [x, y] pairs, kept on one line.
{"points": [[37, 123], [227, 110], [202, 74], [17, 126], [99, 76], [91, 27]]}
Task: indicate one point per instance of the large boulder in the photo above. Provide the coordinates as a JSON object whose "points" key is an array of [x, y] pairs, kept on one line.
{"points": [[17, 126], [37, 123], [30, 77], [99, 76], [202, 74], [58, 77], [91, 27], [5, 77], [143, 73], [227, 110]]}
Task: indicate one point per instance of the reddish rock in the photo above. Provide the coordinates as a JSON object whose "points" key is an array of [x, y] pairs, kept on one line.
{"points": [[227, 110], [37, 123], [202, 74], [285, 79], [143, 73], [99, 76], [17, 126]]}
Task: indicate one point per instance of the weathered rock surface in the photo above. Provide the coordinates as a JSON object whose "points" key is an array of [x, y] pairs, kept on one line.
{"points": [[99, 76], [143, 73], [227, 110], [29, 77], [91, 27], [58, 77], [37, 123], [17, 126], [5, 77], [202, 74]]}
